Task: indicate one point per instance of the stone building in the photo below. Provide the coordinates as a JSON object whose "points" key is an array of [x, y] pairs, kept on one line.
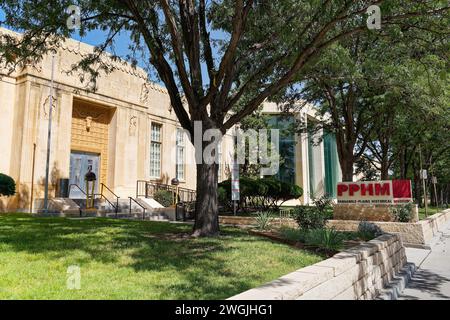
{"points": [[125, 131]]}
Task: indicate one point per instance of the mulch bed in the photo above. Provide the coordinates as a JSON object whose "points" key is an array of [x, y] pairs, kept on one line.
{"points": [[274, 236]]}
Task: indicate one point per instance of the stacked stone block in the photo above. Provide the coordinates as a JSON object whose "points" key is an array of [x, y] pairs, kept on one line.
{"points": [[359, 273]]}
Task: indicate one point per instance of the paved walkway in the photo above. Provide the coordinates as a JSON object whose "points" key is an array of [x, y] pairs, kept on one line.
{"points": [[432, 280]]}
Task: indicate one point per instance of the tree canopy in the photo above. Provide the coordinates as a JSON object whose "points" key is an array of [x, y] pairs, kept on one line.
{"points": [[216, 80]]}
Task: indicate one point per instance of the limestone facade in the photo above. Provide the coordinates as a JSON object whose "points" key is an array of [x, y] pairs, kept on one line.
{"points": [[114, 123]]}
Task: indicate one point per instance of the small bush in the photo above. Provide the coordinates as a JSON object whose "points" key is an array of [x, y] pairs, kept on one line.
{"points": [[323, 203], [164, 197], [327, 239], [368, 231], [403, 213], [260, 194], [309, 217], [263, 220], [7, 185]]}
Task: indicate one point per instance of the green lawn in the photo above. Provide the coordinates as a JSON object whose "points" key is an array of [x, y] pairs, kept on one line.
{"points": [[121, 259], [431, 211]]}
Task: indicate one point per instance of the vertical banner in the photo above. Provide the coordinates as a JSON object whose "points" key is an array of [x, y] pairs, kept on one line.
{"points": [[235, 193]]}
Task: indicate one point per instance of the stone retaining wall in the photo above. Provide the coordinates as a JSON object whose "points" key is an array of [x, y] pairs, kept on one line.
{"points": [[368, 212], [412, 233], [358, 273], [237, 220]]}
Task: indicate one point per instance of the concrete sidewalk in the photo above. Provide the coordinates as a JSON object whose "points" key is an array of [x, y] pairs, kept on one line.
{"points": [[432, 279]]}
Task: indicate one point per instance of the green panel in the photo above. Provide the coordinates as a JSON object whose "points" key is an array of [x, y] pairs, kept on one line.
{"points": [[311, 167], [284, 123], [332, 170]]}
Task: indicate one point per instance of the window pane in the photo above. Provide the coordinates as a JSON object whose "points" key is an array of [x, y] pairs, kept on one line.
{"points": [[155, 160], [156, 132], [180, 137], [180, 154], [155, 151], [219, 159]]}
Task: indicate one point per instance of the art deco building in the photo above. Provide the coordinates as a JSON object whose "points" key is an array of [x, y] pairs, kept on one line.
{"points": [[125, 131]]}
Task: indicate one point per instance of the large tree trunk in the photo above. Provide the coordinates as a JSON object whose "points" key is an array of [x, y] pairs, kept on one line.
{"points": [[347, 170], [206, 207], [384, 168]]}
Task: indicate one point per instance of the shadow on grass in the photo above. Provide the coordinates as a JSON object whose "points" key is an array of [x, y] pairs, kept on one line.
{"points": [[203, 268]]}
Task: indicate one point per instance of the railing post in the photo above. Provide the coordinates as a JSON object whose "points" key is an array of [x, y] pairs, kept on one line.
{"points": [[130, 207]]}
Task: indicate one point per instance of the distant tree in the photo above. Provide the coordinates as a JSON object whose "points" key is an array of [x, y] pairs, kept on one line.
{"points": [[362, 84]]}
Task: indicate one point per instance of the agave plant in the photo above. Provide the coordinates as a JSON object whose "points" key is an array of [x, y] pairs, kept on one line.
{"points": [[263, 220], [328, 239]]}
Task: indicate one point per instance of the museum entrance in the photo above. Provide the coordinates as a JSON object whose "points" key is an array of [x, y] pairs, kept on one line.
{"points": [[89, 144], [80, 164]]}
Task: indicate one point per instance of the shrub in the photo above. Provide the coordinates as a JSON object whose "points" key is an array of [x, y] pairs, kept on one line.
{"points": [[164, 197], [368, 230], [260, 194], [263, 220], [403, 213], [7, 185], [323, 203], [222, 197], [327, 239], [293, 234], [309, 217]]}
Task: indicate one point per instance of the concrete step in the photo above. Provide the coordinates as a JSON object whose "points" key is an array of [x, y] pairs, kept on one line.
{"points": [[393, 290]]}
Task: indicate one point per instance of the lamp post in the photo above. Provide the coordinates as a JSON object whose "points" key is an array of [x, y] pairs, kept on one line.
{"points": [[175, 182], [47, 168], [90, 179]]}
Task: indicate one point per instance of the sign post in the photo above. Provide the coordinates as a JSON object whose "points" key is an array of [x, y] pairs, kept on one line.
{"points": [[49, 136], [235, 192], [423, 176], [434, 180]]}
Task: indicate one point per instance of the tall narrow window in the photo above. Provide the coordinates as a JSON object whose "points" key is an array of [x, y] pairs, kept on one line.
{"points": [[219, 159], [155, 151], [180, 154]]}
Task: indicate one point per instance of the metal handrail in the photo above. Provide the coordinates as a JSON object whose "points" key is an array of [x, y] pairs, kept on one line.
{"points": [[107, 200], [189, 193], [104, 185], [145, 188], [144, 209], [116, 207], [75, 185], [70, 189]]}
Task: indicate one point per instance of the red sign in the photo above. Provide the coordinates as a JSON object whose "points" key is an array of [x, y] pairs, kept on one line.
{"points": [[373, 192]]}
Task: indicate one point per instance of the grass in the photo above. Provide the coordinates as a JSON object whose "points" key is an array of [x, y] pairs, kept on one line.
{"points": [[122, 259], [431, 211]]}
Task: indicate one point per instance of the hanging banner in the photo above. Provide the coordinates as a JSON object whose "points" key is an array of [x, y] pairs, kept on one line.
{"points": [[235, 192], [375, 192]]}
